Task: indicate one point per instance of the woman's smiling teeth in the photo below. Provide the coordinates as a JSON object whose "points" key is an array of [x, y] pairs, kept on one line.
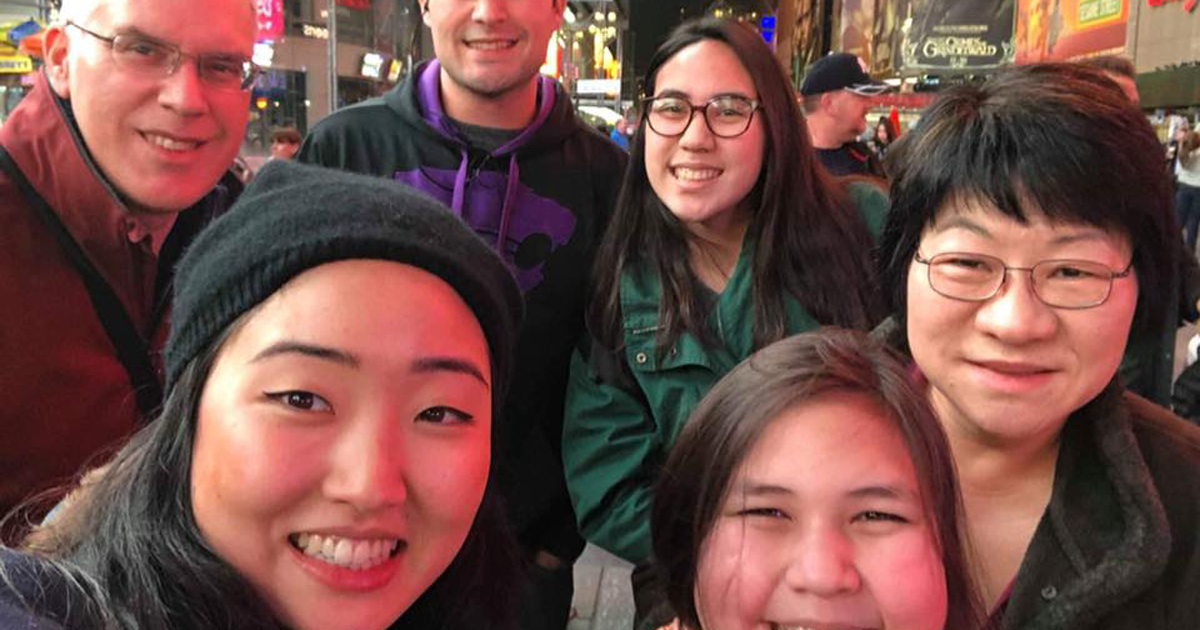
{"points": [[348, 553], [688, 174]]}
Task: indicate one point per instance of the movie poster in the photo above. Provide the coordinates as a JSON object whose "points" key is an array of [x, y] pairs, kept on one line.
{"points": [[960, 35], [1064, 30]]}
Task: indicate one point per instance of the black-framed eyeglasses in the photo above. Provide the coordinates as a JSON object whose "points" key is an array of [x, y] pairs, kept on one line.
{"points": [[1069, 284], [727, 116], [144, 55]]}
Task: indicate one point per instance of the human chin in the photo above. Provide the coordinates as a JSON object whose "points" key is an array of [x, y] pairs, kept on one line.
{"points": [[168, 189], [492, 81], [303, 602]]}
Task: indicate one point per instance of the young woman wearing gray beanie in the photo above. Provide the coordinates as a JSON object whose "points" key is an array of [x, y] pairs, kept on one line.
{"points": [[337, 348]]}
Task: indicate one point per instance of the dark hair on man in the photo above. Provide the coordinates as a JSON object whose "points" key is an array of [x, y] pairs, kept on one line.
{"points": [[732, 417], [810, 241], [1115, 64], [286, 134], [1057, 139], [127, 543]]}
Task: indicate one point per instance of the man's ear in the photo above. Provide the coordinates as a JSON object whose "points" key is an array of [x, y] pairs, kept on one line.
{"points": [[828, 99], [56, 45]]}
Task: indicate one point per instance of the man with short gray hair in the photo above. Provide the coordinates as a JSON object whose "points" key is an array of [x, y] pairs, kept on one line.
{"points": [[108, 168]]}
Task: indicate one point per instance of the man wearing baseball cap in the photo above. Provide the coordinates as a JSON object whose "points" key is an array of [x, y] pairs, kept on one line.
{"points": [[836, 96]]}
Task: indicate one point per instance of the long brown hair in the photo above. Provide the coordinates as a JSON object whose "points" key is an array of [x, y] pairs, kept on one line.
{"points": [[730, 419], [809, 240]]}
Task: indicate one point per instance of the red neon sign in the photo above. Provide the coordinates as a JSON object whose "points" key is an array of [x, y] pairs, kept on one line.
{"points": [[1188, 5], [270, 19]]}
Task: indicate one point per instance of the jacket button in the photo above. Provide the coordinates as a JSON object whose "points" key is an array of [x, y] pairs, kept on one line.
{"points": [[1049, 592], [640, 358]]}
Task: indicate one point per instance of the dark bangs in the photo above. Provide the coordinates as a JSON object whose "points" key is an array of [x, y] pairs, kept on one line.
{"points": [[1060, 139]]}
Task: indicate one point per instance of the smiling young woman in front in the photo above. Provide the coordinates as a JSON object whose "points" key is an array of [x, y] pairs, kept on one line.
{"points": [[337, 348]]}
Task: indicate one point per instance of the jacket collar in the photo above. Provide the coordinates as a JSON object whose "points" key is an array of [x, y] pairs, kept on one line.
{"points": [[42, 138], [1104, 535]]}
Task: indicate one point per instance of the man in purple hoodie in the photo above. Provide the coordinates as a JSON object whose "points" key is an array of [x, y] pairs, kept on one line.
{"points": [[479, 129]]}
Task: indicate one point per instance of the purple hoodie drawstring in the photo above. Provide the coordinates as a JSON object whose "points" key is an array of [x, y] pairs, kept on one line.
{"points": [[431, 110]]}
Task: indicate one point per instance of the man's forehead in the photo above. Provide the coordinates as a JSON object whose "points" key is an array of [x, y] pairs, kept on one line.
{"points": [[236, 25], [559, 5]]}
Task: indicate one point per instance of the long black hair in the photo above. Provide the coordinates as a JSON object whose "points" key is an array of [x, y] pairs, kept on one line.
{"points": [[809, 240], [127, 542]]}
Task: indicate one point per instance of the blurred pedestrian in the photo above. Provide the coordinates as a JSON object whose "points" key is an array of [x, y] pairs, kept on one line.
{"points": [[836, 94], [1149, 364], [883, 135], [285, 142]]}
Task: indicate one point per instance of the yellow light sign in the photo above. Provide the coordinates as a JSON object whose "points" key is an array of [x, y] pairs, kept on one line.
{"points": [[15, 64]]}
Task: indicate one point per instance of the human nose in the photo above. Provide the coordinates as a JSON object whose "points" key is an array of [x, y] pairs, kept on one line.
{"points": [[182, 90], [367, 467], [488, 11], [822, 563], [1016, 314], [697, 136]]}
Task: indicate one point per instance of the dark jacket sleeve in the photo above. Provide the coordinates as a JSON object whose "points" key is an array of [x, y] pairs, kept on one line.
{"points": [[610, 445]]}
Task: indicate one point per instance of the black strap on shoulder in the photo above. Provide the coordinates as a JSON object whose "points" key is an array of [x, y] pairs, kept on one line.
{"points": [[131, 348]]}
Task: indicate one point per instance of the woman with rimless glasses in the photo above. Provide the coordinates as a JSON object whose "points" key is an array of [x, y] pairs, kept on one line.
{"points": [[1030, 238], [727, 236]]}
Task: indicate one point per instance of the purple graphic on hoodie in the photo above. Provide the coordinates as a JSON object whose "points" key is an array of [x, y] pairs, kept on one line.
{"points": [[537, 226], [524, 227]]}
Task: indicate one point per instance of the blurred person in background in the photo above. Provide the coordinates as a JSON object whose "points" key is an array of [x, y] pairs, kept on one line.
{"points": [[285, 142], [1149, 364], [836, 94], [883, 135]]}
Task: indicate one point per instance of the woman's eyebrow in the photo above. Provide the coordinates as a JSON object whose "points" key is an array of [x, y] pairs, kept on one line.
{"points": [[672, 94], [882, 491], [960, 222], [448, 364], [1082, 235], [309, 350], [751, 488]]}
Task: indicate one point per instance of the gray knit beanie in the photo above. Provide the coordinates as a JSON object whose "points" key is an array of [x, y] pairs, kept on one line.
{"points": [[294, 217]]}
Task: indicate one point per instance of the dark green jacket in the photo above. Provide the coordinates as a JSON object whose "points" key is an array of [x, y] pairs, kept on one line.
{"points": [[625, 408]]}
